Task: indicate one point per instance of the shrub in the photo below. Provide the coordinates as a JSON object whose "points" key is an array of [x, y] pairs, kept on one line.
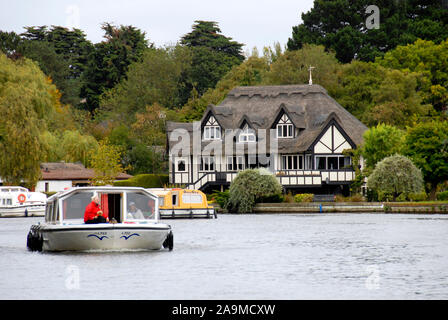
{"points": [[395, 175], [354, 198], [442, 196], [419, 196], [249, 186], [303, 197], [221, 198], [144, 181]]}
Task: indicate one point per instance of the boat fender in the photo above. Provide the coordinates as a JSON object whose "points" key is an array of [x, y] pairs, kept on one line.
{"points": [[169, 241]]}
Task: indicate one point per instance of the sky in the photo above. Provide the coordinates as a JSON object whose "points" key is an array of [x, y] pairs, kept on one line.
{"points": [[251, 22]]}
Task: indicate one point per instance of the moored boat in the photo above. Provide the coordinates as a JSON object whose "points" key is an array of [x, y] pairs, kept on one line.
{"points": [[64, 228], [183, 203], [17, 201]]}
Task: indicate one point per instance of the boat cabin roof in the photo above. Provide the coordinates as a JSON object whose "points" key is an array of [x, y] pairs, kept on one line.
{"points": [[13, 189]]}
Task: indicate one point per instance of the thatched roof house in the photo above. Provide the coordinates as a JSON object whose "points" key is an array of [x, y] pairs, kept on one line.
{"points": [[304, 112]]}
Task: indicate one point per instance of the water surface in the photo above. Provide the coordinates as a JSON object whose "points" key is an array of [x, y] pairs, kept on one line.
{"points": [[290, 256]]}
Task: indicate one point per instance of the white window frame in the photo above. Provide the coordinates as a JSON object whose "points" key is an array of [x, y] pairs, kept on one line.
{"points": [[212, 130], [208, 161], [239, 162], [285, 124], [247, 135], [177, 165], [285, 163]]}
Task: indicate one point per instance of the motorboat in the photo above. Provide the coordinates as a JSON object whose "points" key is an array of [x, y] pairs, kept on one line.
{"points": [[64, 228], [183, 203], [16, 201]]}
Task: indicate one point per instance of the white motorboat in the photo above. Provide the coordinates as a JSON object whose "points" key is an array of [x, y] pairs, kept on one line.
{"points": [[20, 202], [64, 228]]}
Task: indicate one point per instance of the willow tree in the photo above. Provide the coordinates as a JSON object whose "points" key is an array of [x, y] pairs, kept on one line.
{"points": [[27, 102]]}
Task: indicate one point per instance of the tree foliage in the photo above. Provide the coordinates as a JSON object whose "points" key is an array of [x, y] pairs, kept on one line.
{"points": [[213, 55], [427, 145], [106, 162], [380, 142], [340, 25], [110, 59], [27, 102], [154, 79], [428, 59], [396, 175]]}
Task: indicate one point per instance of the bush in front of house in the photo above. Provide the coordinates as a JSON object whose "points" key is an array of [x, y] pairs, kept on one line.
{"points": [[394, 176], [442, 196], [221, 198], [144, 181], [419, 196], [249, 187], [303, 197]]}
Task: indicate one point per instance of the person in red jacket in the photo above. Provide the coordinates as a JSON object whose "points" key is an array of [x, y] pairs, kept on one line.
{"points": [[93, 212]]}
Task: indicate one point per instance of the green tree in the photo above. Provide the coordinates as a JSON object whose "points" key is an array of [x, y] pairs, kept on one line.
{"points": [[160, 70], [292, 67], [249, 186], [213, 55], [375, 94], [26, 104], [341, 25], [396, 175], [427, 145], [249, 73], [110, 59], [380, 142], [106, 162], [428, 59]]}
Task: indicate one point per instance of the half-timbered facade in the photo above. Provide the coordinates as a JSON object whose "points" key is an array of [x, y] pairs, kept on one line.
{"points": [[298, 132]]}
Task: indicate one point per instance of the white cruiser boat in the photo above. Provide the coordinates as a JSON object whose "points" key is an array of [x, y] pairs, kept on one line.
{"points": [[20, 202], [64, 228]]}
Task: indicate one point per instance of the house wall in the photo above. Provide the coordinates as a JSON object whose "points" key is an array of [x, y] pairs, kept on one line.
{"points": [[53, 185]]}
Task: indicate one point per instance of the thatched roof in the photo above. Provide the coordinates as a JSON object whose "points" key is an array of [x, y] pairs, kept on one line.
{"points": [[309, 107]]}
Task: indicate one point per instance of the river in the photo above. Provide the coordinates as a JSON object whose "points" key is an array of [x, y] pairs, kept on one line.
{"points": [[289, 256]]}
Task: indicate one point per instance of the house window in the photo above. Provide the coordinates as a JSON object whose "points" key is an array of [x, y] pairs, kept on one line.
{"points": [[333, 163], [235, 163], [212, 130], [308, 162], [181, 165], [247, 135], [285, 128], [207, 164], [321, 163], [47, 187], [292, 162]]}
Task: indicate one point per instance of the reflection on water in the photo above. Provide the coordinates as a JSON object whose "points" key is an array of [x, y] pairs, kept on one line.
{"points": [[301, 256]]}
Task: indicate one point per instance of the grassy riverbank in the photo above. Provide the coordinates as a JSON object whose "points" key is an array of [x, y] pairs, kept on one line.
{"points": [[426, 207]]}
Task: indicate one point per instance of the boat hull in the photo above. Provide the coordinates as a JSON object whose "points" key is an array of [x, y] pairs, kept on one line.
{"points": [[187, 213], [102, 237], [23, 211]]}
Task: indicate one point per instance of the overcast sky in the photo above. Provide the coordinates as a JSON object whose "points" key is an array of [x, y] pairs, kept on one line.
{"points": [[252, 22]]}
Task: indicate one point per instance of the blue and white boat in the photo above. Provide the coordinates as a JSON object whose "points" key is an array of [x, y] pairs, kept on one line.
{"points": [[64, 228]]}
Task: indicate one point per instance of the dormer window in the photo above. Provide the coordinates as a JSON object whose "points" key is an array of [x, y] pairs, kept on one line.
{"points": [[212, 130], [285, 128], [247, 135]]}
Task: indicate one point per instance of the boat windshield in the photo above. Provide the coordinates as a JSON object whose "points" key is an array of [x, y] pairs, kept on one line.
{"points": [[74, 206], [139, 206]]}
